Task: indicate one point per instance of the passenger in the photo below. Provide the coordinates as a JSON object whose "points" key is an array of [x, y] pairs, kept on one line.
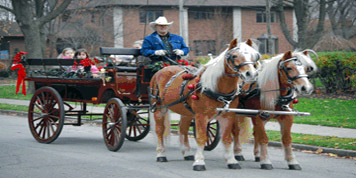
{"points": [[67, 53], [161, 44], [83, 54]]}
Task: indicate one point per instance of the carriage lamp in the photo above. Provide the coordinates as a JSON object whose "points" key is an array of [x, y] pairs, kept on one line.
{"points": [[295, 101], [94, 98]]}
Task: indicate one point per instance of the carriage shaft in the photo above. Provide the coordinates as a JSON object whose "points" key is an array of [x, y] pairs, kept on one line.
{"points": [[249, 112]]}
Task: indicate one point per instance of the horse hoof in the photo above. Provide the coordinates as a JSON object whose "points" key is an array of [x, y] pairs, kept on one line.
{"points": [[266, 166], [189, 158], [234, 166], [199, 168], [294, 167], [257, 159], [239, 158], [162, 159]]}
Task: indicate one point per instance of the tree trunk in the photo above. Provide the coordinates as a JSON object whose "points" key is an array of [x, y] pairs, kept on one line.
{"points": [[301, 11]]}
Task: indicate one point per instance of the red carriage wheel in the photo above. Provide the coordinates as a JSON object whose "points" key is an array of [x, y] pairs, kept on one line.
{"points": [[138, 124], [213, 130], [114, 124], [46, 115]]}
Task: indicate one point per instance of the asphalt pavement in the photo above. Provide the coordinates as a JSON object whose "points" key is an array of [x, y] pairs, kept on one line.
{"points": [[81, 152], [296, 128]]}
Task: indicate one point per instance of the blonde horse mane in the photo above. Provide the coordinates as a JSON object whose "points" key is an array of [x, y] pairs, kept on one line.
{"points": [[268, 82], [215, 68]]}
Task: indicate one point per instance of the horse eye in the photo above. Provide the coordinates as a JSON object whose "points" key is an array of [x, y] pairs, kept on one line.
{"points": [[289, 69], [234, 56]]}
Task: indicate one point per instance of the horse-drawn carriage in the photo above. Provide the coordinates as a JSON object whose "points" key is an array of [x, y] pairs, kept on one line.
{"points": [[124, 90], [205, 97]]}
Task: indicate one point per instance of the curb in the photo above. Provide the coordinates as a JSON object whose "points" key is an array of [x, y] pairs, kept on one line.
{"points": [[338, 152]]}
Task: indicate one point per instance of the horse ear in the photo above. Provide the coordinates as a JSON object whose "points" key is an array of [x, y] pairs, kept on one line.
{"points": [[233, 43], [305, 52], [287, 55], [249, 42]]}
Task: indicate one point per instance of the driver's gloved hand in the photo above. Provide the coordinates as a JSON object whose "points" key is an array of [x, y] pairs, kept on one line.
{"points": [[160, 52]]}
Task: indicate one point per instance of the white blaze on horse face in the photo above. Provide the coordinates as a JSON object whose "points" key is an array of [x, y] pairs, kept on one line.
{"points": [[248, 71], [303, 85]]}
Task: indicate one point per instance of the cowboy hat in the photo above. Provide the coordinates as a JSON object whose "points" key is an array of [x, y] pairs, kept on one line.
{"points": [[160, 21]]}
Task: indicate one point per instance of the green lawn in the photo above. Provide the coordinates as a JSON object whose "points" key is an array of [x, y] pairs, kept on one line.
{"points": [[327, 112], [9, 92], [323, 141]]}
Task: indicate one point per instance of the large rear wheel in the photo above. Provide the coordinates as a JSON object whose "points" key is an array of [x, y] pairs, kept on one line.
{"points": [[138, 124], [46, 115], [114, 124]]}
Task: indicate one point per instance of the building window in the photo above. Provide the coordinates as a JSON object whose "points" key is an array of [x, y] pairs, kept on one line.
{"points": [[147, 16], [261, 17], [200, 14], [264, 45], [204, 47]]}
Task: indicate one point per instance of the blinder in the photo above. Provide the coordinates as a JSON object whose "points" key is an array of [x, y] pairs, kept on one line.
{"points": [[298, 63], [230, 58]]}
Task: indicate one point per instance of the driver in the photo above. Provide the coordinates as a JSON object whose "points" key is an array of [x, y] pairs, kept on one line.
{"points": [[161, 44]]}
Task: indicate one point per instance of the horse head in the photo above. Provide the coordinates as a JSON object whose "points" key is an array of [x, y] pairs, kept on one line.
{"points": [[293, 71], [240, 60]]}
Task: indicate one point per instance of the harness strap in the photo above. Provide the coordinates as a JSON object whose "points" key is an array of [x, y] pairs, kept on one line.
{"points": [[285, 100]]}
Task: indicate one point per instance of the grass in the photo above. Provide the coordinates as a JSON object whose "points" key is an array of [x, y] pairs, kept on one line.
{"points": [[322, 141], [9, 92], [13, 107], [327, 112]]}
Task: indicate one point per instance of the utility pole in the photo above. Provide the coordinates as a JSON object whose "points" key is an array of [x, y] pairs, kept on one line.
{"points": [[181, 17], [269, 33], [183, 24]]}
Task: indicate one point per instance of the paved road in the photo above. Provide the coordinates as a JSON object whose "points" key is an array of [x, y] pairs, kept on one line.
{"points": [[81, 152]]}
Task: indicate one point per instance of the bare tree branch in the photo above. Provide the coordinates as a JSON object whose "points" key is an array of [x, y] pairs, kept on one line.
{"points": [[8, 9], [55, 12]]}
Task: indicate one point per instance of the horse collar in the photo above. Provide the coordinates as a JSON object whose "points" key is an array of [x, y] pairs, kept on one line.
{"points": [[285, 100], [226, 98]]}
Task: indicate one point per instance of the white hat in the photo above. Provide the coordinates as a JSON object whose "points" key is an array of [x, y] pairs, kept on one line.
{"points": [[160, 21]]}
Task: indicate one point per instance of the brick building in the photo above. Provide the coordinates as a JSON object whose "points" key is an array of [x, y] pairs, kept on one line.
{"points": [[208, 25]]}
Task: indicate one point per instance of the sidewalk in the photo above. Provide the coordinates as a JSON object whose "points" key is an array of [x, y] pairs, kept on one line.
{"points": [[297, 128]]}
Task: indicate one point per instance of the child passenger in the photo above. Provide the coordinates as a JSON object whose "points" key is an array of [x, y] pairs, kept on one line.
{"points": [[67, 53], [82, 54]]}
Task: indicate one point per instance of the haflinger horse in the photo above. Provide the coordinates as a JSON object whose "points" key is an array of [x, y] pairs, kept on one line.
{"points": [[212, 85], [279, 81]]}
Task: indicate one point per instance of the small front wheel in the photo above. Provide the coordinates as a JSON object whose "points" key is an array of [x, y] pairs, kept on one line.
{"points": [[114, 124]]}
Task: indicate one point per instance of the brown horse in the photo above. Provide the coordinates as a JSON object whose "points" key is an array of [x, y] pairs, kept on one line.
{"points": [[279, 80], [211, 86]]}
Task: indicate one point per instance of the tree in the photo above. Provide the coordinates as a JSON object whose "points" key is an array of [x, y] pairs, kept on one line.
{"points": [[342, 17], [31, 16], [306, 39]]}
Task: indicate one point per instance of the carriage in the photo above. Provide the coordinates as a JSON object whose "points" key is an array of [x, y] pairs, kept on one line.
{"points": [[124, 90]]}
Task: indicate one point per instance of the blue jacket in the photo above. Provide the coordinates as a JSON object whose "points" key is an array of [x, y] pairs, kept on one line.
{"points": [[153, 42]]}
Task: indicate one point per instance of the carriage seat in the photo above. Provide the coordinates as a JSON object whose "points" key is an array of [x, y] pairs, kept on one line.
{"points": [[126, 69]]}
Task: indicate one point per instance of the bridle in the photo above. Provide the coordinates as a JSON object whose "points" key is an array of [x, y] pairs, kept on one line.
{"points": [[284, 68], [236, 68]]}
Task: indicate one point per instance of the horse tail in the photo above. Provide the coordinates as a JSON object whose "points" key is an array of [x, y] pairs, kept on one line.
{"points": [[244, 124]]}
